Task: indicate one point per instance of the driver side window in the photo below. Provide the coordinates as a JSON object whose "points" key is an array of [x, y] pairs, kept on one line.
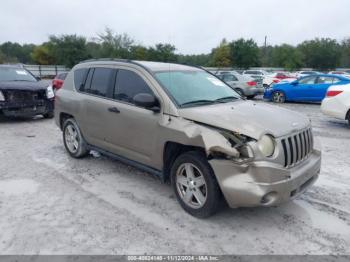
{"points": [[308, 80], [129, 84]]}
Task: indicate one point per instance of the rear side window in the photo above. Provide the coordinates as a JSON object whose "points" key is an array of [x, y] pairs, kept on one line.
{"points": [[229, 78], [325, 80], [62, 76], [128, 85], [79, 78], [101, 81]]}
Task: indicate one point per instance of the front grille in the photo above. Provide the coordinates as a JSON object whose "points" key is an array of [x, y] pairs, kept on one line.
{"points": [[21, 96], [297, 147]]}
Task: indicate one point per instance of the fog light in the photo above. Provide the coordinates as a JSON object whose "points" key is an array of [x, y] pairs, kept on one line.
{"points": [[269, 198]]}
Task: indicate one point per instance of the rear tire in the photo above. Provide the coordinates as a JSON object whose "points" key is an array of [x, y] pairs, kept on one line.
{"points": [[195, 185], [348, 117], [278, 97], [251, 97], [73, 140]]}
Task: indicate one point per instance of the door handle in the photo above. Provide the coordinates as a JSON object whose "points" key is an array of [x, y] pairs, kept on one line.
{"points": [[113, 110]]}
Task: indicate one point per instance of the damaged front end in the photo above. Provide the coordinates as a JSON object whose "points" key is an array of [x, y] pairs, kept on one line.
{"points": [[25, 103], [250, 171]]}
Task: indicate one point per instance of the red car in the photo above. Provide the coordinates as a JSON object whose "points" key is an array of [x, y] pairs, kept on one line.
{"points": [[58, 81], [282, 75]]}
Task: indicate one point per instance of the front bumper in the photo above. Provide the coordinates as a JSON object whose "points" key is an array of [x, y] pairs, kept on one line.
{"points": [[264, 183], [254, 91], [26, 109]]}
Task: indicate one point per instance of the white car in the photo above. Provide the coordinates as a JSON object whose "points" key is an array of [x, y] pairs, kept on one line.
{"points": [[337, 102], [306, 73], [342, 73], [268, 80]]}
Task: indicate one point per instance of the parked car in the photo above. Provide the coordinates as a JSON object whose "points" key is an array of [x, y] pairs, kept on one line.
{"points": [[22, 94], [189, 127], [300, 74], [265, 76], [311, 88], [282, 75], [243, 85], [337, 102], [58, 81]]}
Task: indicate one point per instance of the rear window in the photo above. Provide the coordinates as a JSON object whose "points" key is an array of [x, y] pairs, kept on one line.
{"points": [[62, 76], [79, 78]]}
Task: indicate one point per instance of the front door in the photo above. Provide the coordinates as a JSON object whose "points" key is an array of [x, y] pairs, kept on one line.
{"points": [[132, 130]]}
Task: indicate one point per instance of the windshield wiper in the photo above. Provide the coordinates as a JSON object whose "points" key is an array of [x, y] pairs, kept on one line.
{"points": [[202, 101], [223, 99]]}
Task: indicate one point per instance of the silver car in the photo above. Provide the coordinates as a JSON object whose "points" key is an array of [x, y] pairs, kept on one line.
{"points": [[187, 126], [242, 84]]}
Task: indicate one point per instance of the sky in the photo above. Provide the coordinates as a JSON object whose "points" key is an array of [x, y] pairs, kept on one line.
{"points": [[193, 26]]}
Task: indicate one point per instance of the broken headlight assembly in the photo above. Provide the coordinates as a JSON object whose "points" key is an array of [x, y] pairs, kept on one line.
{"points": [[2, 97], [242, 144], [49, 92]]}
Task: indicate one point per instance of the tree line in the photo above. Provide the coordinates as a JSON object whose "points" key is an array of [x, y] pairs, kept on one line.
{"points": [[68, 50]]}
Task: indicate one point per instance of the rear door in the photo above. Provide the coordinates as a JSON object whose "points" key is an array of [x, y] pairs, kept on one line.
{"points": [[320, 88], [96, 102]]}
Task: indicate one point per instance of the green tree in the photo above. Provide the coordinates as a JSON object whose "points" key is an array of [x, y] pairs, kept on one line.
{"points": [[68, 50], [198, 60], [345, 53], [162, 53], [139, 52], [114, 45], [2, 57], [323, 54], [244, 53], [287, 56], [220, 56], [42, 56]]}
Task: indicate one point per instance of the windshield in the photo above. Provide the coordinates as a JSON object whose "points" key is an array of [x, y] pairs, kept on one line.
{"points": [[195, 87], [15, 74]]}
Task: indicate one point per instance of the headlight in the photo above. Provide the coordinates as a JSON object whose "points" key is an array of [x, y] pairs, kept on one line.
{"points": [[49, 92], [266, 145], [2, 98]]}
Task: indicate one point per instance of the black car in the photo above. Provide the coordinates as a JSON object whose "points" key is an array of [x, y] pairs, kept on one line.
{"points": [[24, 95]]}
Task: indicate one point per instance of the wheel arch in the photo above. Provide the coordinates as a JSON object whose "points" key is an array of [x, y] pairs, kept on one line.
{"points": [[171, 151], [63, 117]]}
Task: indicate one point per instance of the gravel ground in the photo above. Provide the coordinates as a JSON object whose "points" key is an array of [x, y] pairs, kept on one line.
{"points": [[53, 204]]}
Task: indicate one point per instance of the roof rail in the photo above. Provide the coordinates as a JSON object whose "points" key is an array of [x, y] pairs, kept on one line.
{"points": [[105, 59]]}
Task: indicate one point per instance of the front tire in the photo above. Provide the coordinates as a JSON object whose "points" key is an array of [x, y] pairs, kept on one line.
{"points": [[278, 97], [348, 117], [73, 139], [195, 185]]}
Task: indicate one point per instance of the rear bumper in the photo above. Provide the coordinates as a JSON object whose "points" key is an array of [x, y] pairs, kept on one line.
{"points": [[26, 109], [264, 183], [253, 91], [334, 107]]}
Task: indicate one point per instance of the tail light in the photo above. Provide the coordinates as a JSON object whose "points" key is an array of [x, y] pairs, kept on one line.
{"points": [[333, 93], [276, 80], [251, 83]]}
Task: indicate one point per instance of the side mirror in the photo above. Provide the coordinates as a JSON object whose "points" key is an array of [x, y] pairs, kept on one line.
{"points": [[147, 101]]}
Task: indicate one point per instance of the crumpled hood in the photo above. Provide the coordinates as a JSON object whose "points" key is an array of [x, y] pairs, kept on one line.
{"points": [[248, 118], [23, 85]]}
